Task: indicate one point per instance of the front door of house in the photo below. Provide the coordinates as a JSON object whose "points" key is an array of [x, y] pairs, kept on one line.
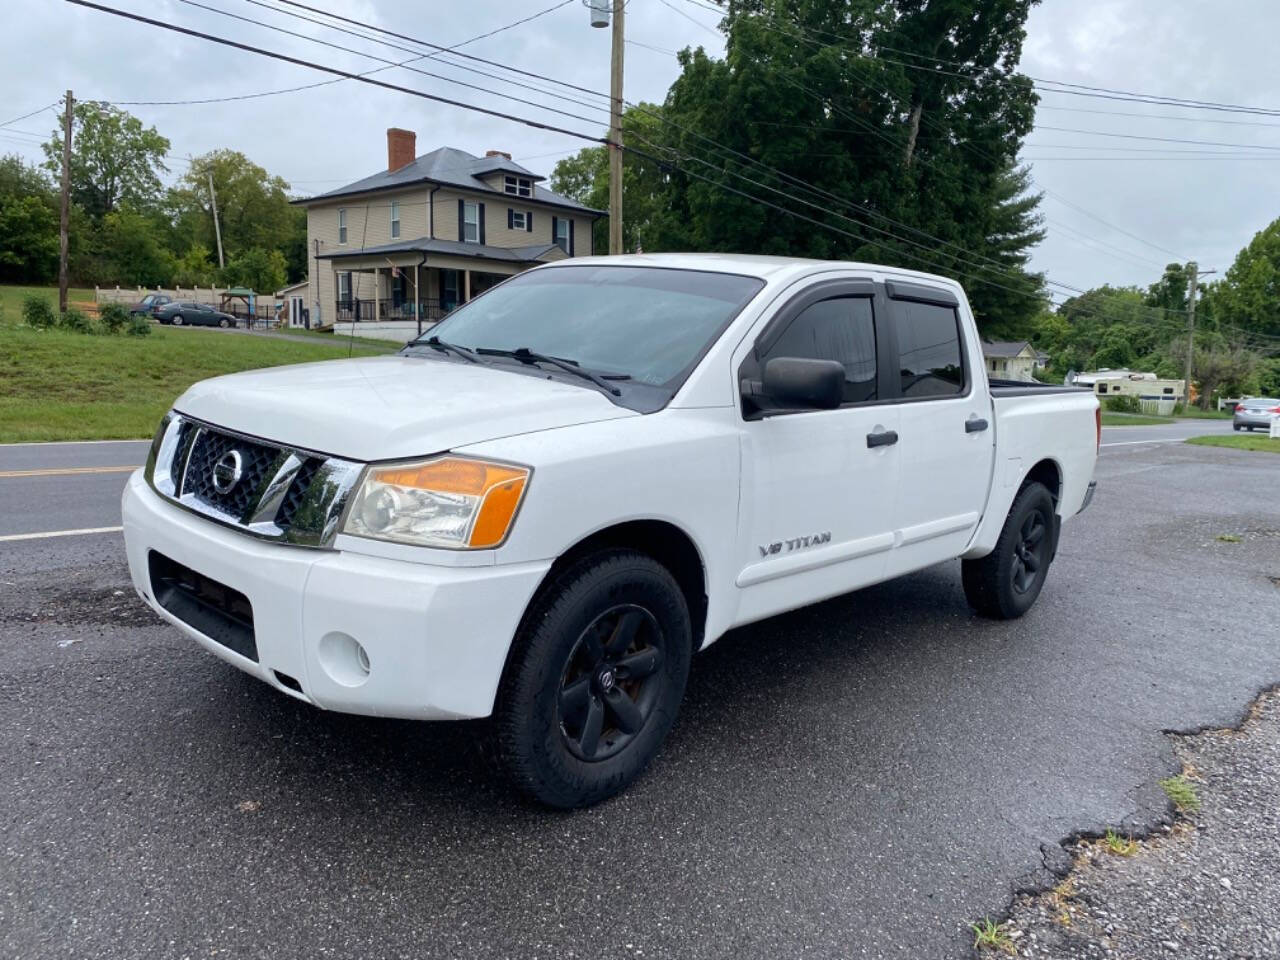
{"points": [[448, 290]]}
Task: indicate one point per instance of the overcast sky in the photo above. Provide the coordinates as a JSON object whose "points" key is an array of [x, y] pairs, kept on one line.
{"points": [[1116, 209]]}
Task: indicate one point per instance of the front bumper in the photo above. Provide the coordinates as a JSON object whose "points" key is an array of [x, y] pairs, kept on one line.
{"points": [[436, 637]]}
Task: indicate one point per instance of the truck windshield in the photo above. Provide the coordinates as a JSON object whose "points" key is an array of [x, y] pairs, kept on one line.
{"points": [[649, 324]]}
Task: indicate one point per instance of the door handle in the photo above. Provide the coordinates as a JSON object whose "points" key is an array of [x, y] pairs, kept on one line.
{"points": [[886, 439], [975, 425]]}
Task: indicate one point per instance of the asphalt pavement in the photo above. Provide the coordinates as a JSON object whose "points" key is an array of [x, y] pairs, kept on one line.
{"points": [[860, 778]]}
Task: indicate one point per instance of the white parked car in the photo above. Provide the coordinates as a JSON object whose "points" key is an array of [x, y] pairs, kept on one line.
{"points": [[587, 474]]}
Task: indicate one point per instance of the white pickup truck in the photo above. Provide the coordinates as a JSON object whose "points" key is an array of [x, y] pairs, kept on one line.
{"points": [[540, 510]]}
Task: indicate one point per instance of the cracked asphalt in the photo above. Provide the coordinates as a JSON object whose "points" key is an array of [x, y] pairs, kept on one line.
{"points": [[862, 778]]}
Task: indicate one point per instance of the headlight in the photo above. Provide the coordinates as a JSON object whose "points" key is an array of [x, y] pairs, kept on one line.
{"points": [[452, 502]]}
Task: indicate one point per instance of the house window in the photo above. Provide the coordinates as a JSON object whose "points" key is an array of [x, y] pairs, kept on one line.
{"points": [[471, 222], [519, 186], [517, 219], [344, 287], [561, 236], [342, 226], [395, 220]]}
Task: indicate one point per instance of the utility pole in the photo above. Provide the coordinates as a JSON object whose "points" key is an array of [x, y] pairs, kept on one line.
{"points": [[217, 230], [615, 131], [1196, 273], [65, 216]]}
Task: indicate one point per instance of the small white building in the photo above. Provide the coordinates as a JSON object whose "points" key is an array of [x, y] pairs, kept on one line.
{"points": [[1010, 359]]}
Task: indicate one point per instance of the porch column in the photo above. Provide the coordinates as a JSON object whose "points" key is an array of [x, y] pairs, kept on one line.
{"points": [[466, 286], [417, 300], [377, 299]]}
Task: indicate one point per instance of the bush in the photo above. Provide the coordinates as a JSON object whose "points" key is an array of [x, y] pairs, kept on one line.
{"points": [[139, 326], [114, 317], [1124, 404], [38, 312], [77, 321]]}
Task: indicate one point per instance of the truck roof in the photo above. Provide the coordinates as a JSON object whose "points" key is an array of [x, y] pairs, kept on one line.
{"points": [[766, 268]]}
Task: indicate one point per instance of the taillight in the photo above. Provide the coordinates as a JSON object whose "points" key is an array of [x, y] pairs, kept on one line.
{"points": [[1275, 409], [1239, 408], [1097, 421]]}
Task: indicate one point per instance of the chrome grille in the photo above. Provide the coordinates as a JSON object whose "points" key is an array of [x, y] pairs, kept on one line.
{"points": [[258, 462], [282, 493]]}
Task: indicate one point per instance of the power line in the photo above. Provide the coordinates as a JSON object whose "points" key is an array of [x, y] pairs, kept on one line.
{"points": [[325, 83], [31, 114]]}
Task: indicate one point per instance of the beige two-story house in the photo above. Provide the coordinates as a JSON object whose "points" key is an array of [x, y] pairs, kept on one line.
{"points": [[406, 245]]}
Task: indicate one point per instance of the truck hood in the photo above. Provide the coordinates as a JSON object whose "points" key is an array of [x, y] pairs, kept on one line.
{"points": [[383, 408]]}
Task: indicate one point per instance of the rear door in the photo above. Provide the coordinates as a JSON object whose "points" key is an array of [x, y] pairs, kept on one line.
{"points": [[816, 483], [946, 432]]}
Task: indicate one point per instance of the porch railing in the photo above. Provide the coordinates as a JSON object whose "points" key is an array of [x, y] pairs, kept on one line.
{"points": [[362, 310]]}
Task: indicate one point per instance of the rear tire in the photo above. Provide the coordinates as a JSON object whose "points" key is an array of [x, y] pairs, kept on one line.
{"points": [[1005, 583], [595, 679], [1235, 427]]}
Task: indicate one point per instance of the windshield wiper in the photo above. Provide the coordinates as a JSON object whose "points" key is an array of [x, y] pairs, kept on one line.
{"points": [[446, 347], [525, 355]]}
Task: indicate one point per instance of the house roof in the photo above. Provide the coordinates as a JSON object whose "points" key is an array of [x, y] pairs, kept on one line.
{"points": [[450, 167], [1004, 348], [455, 248]]}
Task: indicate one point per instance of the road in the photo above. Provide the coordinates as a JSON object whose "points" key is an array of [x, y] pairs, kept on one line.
{"points": [[860, 778]]}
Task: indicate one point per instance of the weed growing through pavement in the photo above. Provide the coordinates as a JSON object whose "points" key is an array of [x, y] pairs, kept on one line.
{"points": [[1120, 846], [1182, 792], [989, 935], [1228, 538]]}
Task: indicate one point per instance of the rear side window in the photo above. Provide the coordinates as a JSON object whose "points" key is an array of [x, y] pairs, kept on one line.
{"points": [[929, 356], [841, 329]]}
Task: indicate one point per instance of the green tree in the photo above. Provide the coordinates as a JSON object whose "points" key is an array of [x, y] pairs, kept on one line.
{"points": [[262, 271], [1248, 297], [194, 268], [1171, 291], [912, 165], [131, 249], [28, 224], [253, 210], [114, 159]]}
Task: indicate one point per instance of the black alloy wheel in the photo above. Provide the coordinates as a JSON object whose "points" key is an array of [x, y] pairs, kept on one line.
{"points": [[1029, 552], [594, 679], [610, 684]]}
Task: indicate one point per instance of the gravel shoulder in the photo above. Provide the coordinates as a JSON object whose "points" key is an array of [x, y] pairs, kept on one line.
{"points": [[1205, 883]]}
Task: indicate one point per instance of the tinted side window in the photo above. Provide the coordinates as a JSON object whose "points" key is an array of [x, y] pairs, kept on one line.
{"points": [[929, 356], [841, 329]]}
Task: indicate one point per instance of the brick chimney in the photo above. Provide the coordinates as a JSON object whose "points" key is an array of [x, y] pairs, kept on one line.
{"points": [[497, 153], [401, 148]]}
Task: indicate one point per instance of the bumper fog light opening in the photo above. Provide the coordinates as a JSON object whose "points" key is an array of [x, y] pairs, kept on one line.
{"points": [[343, 658]]}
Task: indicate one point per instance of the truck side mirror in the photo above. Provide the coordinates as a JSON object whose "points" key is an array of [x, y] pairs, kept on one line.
{"points": [[798, 383]]}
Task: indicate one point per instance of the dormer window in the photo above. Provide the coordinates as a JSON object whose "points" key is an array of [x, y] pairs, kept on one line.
{"points": [[519, 186]]}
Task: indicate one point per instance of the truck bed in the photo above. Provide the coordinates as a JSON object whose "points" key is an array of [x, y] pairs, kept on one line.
{"points": [[1026, 388]]}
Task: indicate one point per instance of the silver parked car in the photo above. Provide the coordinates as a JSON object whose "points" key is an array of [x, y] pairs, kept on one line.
{"points": [[1255, 412]]}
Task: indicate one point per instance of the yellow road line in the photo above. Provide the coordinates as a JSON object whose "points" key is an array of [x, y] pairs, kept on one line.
{"points": [[65, 471]]}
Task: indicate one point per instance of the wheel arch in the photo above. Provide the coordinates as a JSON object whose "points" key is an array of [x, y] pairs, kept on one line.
{"points": [[1047, 472], [662, 540]]}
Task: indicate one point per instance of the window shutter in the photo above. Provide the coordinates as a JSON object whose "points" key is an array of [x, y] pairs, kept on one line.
{"points": [[480, 217], [528, 222], [555, 227], [462, 219], [511, 219], [571, 237]]}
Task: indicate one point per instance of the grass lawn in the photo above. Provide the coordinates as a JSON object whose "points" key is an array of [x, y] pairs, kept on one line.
{"points": [[372, 342], [1239, 442], [57, 385], [1110, 419], [1195, 413], [11, 298]]}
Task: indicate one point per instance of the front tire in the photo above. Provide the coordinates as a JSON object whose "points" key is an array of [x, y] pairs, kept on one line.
{"points": [[595, 679], [1005, 583], [223, 323], [177, 319]]}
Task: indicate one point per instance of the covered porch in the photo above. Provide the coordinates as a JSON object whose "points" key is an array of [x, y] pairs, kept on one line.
{"points": [[418, 284]]}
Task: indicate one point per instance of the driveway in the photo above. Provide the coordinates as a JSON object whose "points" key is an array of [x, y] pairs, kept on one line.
{"points": [[860, 778]]}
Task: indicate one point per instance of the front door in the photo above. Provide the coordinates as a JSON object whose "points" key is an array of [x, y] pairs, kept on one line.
{"points": [[816, 483], [448, 290], [946, 434]]}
